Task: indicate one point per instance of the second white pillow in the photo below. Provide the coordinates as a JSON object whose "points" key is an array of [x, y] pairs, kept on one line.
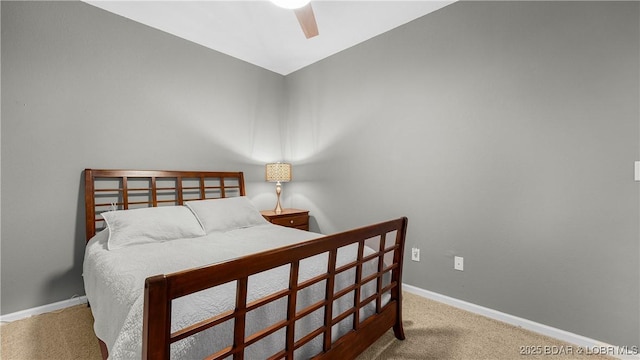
{"points": [[226, 214]]}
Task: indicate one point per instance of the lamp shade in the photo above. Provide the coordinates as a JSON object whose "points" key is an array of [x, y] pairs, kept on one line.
{"points": [[277, 172]]}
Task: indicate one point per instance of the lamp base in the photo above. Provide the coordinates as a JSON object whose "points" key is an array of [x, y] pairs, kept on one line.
{"points": [[278, 209]]}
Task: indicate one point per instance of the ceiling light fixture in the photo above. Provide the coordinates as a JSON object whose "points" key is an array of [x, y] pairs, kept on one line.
{"points": [[304, 13], [291, 4]]}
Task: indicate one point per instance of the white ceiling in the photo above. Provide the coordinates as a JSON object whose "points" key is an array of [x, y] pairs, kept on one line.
{"points": [[265, 35]]}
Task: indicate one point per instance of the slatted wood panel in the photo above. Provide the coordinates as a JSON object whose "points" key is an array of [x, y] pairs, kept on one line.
{"points": [[107, 190], [161, 290]]}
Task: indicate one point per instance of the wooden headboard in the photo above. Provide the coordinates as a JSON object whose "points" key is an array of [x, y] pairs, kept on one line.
{"points": [[106, 190]]}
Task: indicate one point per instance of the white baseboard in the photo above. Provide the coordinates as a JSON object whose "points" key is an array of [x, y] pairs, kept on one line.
{"points": [[18, 315], [585, 343]]}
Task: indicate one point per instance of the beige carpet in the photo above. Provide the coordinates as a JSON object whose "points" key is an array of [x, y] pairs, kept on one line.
{"points": [[66, 334], [433, 331]]}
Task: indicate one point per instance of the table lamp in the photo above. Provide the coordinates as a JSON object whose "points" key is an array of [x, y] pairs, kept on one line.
{"points": [[278, 172]]}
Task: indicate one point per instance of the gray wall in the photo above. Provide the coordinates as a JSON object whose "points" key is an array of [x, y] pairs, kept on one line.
{"points": [[85, 88], [507, 133]]}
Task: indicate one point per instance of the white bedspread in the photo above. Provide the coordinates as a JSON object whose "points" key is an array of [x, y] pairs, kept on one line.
{"points": [[114, 285]]}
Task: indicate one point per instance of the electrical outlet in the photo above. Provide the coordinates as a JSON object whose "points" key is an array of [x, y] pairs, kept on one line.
{"points": [[458, 263], [415, 254]]}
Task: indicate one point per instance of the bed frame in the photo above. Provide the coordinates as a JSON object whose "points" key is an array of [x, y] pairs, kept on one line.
{"points": [[125, 189]]}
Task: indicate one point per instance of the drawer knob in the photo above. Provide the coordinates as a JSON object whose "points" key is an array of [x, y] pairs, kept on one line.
{"points": [[291, 221]]}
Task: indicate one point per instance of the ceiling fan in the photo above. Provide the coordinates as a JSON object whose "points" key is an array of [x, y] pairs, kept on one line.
{"points": [[304, 13]]}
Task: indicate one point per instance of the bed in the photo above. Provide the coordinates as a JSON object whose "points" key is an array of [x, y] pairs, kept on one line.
{"points": [[180, 264]]}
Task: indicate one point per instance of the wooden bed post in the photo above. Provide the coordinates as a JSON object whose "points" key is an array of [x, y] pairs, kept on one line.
{"points": [[396, 276], [157, 309], [89, 204]]}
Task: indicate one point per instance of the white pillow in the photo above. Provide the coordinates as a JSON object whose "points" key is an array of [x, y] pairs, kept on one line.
{"points": [[226, 213], [146, 225]]}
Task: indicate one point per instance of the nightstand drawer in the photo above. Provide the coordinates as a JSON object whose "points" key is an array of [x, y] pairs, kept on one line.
{"points": [[292, 221], [293, 218]]}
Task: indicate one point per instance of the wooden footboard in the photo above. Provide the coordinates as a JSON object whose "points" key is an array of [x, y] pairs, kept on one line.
{"points": [[161, 290]]}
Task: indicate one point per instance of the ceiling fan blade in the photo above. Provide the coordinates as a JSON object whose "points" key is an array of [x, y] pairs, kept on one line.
{"points": [[307, 21]]}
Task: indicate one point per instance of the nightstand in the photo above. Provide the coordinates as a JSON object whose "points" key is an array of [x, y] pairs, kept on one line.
{"points": [[294, 218]]}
